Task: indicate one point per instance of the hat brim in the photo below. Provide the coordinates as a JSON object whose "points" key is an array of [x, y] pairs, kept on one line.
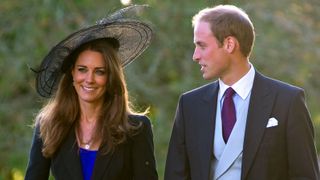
{"points": [[133, 37]]}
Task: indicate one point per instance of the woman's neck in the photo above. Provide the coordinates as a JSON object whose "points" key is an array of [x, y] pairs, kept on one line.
{"points": [[89, 112], [87, 126]]}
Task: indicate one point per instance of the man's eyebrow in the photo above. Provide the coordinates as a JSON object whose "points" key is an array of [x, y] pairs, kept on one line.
{"points": [[200, 43]]}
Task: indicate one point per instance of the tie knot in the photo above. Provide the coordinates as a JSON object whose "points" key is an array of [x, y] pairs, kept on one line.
{"points": [[229, 92]]}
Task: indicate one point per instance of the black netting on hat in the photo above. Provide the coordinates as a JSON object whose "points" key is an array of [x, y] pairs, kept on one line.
{"points": [[132, 35]]}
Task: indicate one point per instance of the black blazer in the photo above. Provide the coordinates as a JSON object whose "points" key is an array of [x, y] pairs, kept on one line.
{"points": [[279, 153], [133, 160]]}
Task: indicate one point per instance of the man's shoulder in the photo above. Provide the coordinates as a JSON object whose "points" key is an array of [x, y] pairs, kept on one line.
{"points": [[202, 89], [277, 84]]}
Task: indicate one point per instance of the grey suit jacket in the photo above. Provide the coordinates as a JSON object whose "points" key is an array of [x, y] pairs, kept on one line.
{"points": [[130, 161], [283, 152]]}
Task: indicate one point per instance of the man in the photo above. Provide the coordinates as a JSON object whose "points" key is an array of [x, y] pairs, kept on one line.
{"points": [[260, 130]]}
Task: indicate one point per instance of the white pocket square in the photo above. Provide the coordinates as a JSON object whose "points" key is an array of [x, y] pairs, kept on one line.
{"points": [[272, 122]]}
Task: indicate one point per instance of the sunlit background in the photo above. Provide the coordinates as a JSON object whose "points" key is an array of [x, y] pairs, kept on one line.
{"points": [[125, 2]]}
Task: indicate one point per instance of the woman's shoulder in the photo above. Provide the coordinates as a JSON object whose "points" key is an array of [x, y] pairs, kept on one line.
{"points": [[136, 119]]}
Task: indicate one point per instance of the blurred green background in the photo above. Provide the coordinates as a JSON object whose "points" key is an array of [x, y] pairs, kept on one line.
{"points": [[286, 48]]}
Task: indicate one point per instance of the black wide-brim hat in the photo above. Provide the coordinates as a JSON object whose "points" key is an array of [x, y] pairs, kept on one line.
{"points": [[133, 36]]}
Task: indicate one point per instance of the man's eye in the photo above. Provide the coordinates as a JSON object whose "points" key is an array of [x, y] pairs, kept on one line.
{"points": [[202, 46]]}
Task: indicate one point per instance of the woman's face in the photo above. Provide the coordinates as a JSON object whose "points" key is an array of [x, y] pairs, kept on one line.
{"points": [[90, 77]]}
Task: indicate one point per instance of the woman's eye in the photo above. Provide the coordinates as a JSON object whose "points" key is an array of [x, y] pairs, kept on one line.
{"points": [[81, 69], [101, 72]]}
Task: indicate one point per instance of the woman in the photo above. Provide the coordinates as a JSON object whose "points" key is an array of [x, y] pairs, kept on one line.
{"points": [[87, 130]]}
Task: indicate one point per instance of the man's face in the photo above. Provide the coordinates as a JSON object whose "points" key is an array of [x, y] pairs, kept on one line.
{"points": [[212, 58]]}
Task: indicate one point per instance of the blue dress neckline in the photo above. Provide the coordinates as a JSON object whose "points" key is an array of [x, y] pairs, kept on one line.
{"points": [[87, 158]]}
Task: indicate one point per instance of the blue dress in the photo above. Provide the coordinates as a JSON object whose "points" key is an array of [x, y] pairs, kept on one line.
{"points": [[87, 158]]}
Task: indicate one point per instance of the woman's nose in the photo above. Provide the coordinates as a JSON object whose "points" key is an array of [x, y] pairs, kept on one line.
{"points": [[90, 77]]}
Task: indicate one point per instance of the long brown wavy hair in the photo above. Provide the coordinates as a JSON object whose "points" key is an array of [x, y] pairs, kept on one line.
{"points": [[62, 112]]}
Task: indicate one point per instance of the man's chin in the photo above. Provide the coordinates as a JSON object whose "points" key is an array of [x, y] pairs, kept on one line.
{"points": [[208, 78]]}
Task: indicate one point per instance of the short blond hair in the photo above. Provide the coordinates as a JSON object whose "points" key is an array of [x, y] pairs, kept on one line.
{"points": [[229, 20]]}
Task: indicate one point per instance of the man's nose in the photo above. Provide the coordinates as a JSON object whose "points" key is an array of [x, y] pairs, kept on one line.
{"points": [[196, 56]]}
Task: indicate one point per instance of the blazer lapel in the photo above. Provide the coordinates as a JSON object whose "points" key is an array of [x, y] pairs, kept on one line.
{"points": [[260, 107], [101, 165], [70, 155]]}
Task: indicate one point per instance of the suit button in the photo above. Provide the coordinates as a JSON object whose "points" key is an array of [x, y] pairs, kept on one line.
{"points": [[147, 163]]}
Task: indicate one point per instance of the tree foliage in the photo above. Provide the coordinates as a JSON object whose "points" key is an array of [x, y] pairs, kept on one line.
{"points": [[286, 48]]}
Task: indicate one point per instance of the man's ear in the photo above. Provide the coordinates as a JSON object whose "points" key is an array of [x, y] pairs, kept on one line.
{"points": [[230, 44]]}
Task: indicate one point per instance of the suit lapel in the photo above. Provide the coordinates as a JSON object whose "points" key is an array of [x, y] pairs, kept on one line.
{"points": [[207, 116], [260, 107]]}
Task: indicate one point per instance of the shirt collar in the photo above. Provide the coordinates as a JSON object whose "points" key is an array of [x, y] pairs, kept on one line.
{"points": [[242, 87]]}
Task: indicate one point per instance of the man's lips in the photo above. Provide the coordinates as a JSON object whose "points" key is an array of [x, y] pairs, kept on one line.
{"points": [[202, 67]]}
